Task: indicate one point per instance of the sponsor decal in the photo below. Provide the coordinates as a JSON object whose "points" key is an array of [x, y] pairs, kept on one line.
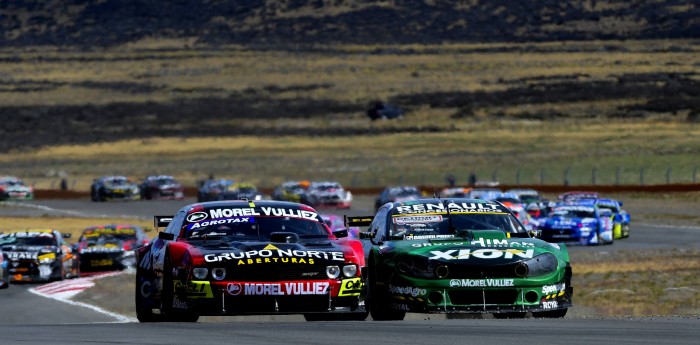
{"points": [[109, 231], [21, 255], [146, 289], [550, 305], [499, 243], [194, 288], [407, 290], [417, 219], [400, 306], [234, 289], [421, 245], [102, 262], [286, 288], [266, 211], [350, 287], [22, 234], [197, 217], [101, 249], [178, 304], [464, 207], [427, 237], [550, 289], [221, 221], [481, 282], [487, 253], [275, 256]]}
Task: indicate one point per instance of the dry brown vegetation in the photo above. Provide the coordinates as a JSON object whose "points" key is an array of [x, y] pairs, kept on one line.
{"points": [[638, 282]]}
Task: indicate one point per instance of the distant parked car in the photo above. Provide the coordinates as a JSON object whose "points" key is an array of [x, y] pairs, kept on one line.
{"points": [[162, 187], [212, 190], [114, 188], [12, 188]]}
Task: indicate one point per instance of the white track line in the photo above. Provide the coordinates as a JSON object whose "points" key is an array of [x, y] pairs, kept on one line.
{"points": [[62, 291]]}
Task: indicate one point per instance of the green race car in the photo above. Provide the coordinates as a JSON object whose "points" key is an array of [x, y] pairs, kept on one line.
{"points": [[461, 256]]}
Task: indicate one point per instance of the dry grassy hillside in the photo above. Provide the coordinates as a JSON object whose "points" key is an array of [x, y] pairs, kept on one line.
{"points": [[264, 22]]}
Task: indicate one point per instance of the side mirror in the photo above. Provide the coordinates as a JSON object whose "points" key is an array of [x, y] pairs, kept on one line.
{"points": [[340, 233], [365, 235], [166, 236], [535, 233]]}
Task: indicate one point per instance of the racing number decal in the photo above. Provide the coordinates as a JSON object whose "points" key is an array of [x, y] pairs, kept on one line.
{"points": [[350, 287]]}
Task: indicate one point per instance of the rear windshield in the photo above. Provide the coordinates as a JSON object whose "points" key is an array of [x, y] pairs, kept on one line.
{"points": [[579, 212]]}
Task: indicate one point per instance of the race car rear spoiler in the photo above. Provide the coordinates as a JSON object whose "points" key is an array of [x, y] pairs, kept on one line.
{"points": [[162, 221], [358, 221]]}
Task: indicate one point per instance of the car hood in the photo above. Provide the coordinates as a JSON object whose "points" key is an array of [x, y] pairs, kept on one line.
{"points": [[478, 248]]}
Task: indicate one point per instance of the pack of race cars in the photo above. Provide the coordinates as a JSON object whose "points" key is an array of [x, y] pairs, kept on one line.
{"points": [[462, 251], [44, 255]]}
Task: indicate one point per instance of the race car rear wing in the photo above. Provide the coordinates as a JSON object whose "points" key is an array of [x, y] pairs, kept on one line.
{"points": [[161, 221], [358, 221]]}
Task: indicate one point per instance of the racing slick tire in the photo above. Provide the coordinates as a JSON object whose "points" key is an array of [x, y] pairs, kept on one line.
{"points": [[513, 315], [379, 301], [625, 231], [93, 194], [559, 313], [167, 297]]}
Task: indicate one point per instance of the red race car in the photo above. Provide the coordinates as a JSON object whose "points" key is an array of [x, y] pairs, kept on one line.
{"points": [[249, 257]]}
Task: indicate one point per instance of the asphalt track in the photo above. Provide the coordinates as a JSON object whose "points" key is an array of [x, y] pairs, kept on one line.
{"points": [[26, 318]]}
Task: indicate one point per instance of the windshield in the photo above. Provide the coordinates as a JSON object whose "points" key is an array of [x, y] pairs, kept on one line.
{"points": [[405, 192], [446, 225], [102, 236], [36, 239], [612, 208], [582, 212], [327, 187], [254, 228]]}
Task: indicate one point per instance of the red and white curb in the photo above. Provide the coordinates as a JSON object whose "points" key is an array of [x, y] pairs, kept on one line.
{"points": [[65, 290]]}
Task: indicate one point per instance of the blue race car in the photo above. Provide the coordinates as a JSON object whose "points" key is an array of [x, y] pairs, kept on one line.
{"points": [[620, 217], [578, 222]]}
